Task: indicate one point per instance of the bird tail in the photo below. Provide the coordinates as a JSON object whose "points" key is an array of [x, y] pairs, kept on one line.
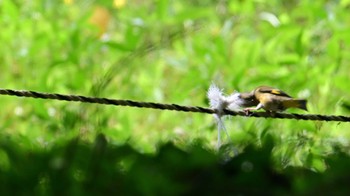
{"points": [[296, 103]]}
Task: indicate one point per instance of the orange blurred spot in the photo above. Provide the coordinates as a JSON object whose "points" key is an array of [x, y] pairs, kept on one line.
{"points": [[100, 18]]}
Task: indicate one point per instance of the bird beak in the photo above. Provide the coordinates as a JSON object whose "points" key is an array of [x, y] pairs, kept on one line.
{"points": [[248, 99]]}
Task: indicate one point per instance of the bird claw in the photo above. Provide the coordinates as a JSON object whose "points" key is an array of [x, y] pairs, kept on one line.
{"points": [[247, 111]]}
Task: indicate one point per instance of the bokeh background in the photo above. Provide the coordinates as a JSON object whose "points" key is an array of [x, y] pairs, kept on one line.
{"points": [[167, 51]]}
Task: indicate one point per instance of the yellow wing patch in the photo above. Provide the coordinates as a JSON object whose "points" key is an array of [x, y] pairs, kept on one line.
{"points": [[276, 91]]}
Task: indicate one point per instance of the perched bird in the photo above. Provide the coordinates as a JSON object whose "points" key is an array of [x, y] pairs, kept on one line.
{"points": [[275, 100]]}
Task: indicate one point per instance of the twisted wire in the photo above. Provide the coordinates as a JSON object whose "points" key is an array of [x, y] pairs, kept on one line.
{"points": [[174, 107]]}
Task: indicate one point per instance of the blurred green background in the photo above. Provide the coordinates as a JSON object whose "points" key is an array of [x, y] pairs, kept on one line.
{"points": [[170, 51]]}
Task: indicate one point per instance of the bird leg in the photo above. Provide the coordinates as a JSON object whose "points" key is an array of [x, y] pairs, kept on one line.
{"points": [[248, 110]]}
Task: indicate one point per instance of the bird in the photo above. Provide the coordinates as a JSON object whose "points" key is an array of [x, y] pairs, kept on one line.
{"points": [[275, 100]]}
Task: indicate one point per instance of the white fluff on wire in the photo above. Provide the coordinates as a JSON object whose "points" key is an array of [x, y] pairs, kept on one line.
{"points": [[219, 102]]}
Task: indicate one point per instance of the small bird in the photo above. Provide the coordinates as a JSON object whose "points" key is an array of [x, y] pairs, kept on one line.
{"points": [[275, 100]]}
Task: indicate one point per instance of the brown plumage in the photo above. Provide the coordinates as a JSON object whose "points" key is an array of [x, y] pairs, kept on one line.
{"points": [[273, 100], [249, 99]]}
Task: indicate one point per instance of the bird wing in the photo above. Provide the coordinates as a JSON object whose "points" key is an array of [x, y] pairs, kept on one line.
{"points": [[274, 91]]}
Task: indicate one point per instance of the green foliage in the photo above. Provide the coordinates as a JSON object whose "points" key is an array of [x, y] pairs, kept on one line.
{"points": [[78, 168], [170, 52]]}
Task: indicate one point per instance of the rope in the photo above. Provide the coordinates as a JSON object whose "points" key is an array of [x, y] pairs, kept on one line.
{"points": [[174, 107]]}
